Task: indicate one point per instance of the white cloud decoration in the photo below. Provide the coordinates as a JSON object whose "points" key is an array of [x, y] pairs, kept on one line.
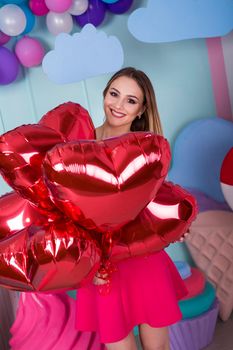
{"points": [[83, 55]]}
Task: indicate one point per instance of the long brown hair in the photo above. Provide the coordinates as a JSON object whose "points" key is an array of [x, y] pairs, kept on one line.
{"points": [[150, 119]]}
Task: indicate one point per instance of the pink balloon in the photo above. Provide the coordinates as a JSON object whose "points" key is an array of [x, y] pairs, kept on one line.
{"points": [[38, 7], [29, 51], [58, 6]]}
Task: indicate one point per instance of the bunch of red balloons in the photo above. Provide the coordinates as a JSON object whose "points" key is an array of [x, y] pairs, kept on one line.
{"points": [[79, 204]]}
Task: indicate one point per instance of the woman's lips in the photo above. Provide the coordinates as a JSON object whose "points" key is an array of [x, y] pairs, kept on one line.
{"points": [[117, 114]]}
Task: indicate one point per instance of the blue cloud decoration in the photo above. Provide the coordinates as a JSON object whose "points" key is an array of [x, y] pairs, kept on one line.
{"points": [[83, 55], [173, 20]]}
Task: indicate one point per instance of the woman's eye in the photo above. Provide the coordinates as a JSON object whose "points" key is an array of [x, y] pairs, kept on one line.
{"points": [[130, 100], [112, 93]]}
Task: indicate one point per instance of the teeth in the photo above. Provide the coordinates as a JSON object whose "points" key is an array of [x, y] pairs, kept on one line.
{"points": [[117, 114]]}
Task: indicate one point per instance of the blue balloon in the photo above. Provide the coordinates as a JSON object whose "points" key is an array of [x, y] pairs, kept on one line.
{"points": [[15, 2], [110, 1], [119, 7], [30, 18]]}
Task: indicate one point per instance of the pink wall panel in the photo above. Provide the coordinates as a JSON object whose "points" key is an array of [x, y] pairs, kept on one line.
{"points": [[219, 78]]}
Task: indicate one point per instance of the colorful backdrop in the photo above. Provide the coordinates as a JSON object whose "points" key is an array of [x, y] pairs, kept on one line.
{"points": [[193, 79]]}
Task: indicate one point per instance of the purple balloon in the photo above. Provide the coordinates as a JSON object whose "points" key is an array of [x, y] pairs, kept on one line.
{"points": [[9, 66], [4, 38], [120, 6], [95, 14]]}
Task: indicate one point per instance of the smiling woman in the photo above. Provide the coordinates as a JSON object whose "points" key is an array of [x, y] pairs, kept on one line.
{"points": [[123, 103], [149, 297], [124, 99], [137, 88]]}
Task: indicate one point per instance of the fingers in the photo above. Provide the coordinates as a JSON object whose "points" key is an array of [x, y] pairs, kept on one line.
{"points": [[99, 281], [183, 237]]}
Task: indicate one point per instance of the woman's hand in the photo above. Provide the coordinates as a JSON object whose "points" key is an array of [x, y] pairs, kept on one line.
{"points": [[99, 281], [183, 237]]}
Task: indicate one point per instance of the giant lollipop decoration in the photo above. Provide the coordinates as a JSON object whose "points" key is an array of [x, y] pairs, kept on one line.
{"points": [[226, 178]]}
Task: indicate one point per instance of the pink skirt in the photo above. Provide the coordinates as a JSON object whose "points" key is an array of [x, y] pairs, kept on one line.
{"points": [[143, 290]]}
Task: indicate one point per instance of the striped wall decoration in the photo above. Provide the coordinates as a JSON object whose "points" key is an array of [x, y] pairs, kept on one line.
{"points": [[220, 53], [227, 44]]}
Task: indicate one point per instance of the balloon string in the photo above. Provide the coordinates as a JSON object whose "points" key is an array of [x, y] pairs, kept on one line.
{"points": [[106, 245], [106, 266]]}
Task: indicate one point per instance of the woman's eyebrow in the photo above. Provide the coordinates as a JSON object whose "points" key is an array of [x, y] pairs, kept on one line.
{"points": [[133, 97], [115, 89], [127, 95]]}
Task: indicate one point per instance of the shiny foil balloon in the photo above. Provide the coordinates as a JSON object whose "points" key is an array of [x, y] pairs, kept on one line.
{"points": [[21, 153], [35, 253], [164, 220], [52, 257], [17, 213], [103, 185], [71, 120]]}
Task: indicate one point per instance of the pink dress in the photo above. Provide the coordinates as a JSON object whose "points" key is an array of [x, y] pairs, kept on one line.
{"points": [[143, 290]]}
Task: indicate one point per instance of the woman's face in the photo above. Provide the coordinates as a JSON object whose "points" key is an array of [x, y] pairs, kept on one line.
{"points": [[123, 103]]}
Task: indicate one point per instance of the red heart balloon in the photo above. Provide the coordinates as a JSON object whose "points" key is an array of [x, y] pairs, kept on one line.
{"points": [[71, 120], [52, 257], [36, 254], [164, 220], [22, 151], [17, 213], [102, 185]]}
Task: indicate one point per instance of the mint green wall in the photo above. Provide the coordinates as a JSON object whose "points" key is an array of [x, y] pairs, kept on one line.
{"points": [[179, 72]]}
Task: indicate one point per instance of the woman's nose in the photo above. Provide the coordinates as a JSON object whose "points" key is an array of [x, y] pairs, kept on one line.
{"points": [[119, 103]]}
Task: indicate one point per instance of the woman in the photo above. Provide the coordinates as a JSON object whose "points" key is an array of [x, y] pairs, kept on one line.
{"points": [[144, 290]]}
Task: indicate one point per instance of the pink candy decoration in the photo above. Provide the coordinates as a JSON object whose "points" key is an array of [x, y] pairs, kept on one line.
{"points": [[47, 322], [58, 6], [29, 51]]}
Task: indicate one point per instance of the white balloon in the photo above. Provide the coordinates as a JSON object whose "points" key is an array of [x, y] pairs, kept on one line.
{"points": [[59, 22], [12, 20], [78, 7]]}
